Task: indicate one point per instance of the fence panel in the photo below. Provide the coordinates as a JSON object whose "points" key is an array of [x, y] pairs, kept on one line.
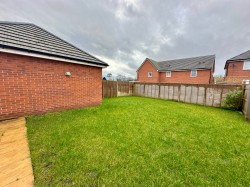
{"points": [[203, 94], [109, 88], [116, 88], [124, 88]]}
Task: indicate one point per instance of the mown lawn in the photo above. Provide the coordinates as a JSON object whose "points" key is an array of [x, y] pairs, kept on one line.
{"points": [[134, 141]]}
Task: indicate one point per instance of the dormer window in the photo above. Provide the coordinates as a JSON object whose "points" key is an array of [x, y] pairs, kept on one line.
{"points": [[150, 74]]}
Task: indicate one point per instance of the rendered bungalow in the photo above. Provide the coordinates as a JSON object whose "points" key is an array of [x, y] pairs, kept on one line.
{"points": [[195, 70], [237, 69]]}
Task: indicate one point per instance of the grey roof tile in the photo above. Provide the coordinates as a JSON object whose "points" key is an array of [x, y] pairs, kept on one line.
{"points": [[242, 56], [29, 37], [201, 62]]}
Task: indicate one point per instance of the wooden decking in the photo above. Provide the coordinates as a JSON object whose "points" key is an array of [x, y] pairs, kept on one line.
{"points": [[15, 162]]}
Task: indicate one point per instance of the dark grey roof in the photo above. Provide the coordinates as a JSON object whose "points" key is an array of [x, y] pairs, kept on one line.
{"points": [[242, 56], [202, 62], [31, 38]]}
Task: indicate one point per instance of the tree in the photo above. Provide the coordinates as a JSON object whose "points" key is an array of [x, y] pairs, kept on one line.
{"points": [[121, 77]]}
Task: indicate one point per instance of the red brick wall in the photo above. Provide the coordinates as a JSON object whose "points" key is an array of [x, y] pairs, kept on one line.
{"points": [[235, 72], [203, 77], [31, 85], [142, 74]]}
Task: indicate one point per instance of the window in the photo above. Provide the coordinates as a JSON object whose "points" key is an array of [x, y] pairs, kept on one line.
{"points": [[168, 74], [246, 65], [150, 74], [193, 73]]}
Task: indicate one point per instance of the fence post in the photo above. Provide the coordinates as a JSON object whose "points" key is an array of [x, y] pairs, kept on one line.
{"points": [[116, 88], [159, 91], [198, 89], [109, 89], [168, 91], [134, 89], [205, 96], [129, 89], [179, 93], [185, 93], [191, 94], [151, 90], [221, 96], [102, 89], [246, 103], [213, 98]]}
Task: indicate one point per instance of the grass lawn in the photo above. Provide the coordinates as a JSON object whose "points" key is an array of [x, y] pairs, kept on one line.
{"points": [[135, 141]]}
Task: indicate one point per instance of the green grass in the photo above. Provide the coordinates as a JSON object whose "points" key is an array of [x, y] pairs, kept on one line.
{"points": [[134, 141]]}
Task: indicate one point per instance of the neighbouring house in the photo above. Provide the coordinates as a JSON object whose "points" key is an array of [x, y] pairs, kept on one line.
{"points": [[39, 72], [195, 70], [237, 69]]}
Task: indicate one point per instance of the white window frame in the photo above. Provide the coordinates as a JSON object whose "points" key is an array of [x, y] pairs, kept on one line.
{"points": [[246, 65], [150, 74], [168, 73], [191, 74]]}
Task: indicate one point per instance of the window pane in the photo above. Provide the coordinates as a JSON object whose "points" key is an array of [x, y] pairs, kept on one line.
{"points": [[247, 65], [193, 73], [168, 74], [150, 74]]}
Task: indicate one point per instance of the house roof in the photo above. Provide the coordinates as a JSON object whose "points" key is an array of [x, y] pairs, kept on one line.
{"points": [[33, 39], [201, 62], [242, 56]]}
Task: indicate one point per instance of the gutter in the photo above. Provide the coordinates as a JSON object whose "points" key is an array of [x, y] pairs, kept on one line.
{"points": [[184, 70], [32, 53]]}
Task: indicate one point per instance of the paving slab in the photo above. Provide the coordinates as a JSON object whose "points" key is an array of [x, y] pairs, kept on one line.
{"points": [[15, 161]]}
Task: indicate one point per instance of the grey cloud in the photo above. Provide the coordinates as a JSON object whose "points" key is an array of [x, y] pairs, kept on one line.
{"points": [[125, 32]]}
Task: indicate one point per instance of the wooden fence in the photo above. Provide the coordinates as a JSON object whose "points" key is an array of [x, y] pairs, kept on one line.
{"points": [[203, 94], [116, 88], [246, 102]]}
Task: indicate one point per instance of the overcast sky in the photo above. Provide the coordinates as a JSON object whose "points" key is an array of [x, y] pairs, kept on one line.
{"points": [[125, 32]]}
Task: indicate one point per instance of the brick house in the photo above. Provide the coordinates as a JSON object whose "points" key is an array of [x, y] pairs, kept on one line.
{"points": [[40, 72], [237, 69], [196, 70]]}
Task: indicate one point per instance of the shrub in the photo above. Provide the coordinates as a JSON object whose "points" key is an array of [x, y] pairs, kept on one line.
{"points": [[233, 100]]}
